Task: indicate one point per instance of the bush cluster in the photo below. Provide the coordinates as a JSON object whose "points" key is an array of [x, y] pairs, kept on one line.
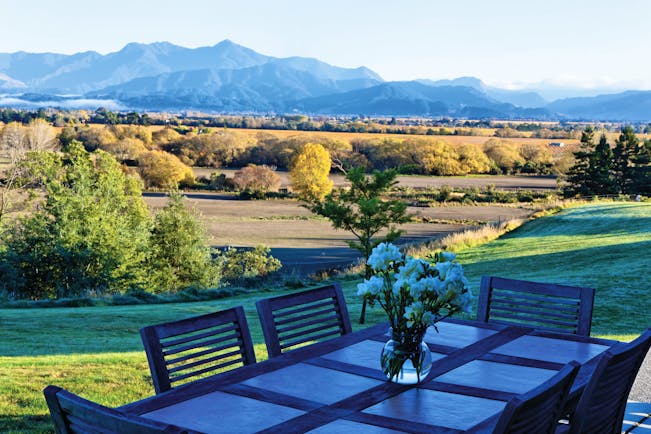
{"points": [[92, 235]]}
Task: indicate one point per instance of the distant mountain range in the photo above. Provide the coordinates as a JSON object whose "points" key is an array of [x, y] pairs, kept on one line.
{"points": [[228, 77]]}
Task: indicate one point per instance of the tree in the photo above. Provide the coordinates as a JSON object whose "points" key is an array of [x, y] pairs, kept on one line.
{"points": [[632, 163], [89, 235], [626, 148], [161, 169], [40, 135], [578, 177], [364, 210], [310, 173], [642, 183], [601, 178], [16, 140], [256, 181], [505, 155], [179, 256]]}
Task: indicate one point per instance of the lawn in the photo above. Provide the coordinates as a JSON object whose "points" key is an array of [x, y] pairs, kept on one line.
{"points": [[96, 352]]}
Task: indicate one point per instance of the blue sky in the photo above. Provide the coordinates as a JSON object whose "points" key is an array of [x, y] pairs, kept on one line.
{"points": [[506, 42]]}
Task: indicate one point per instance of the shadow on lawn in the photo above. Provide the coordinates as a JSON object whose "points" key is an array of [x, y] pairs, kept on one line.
{"points": [[608, 269], [19, 424]]}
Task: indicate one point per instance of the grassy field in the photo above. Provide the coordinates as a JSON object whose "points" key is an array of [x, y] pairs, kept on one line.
{"points": [[96, 352]]}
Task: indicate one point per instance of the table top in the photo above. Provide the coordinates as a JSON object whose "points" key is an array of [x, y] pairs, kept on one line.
{"points": [[337, 386]]}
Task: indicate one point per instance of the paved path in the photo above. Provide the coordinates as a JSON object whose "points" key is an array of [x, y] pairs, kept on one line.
{"points": [[641, 390]]}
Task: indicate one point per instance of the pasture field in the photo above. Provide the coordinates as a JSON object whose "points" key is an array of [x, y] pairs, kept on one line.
{"points": [[96, 352]]}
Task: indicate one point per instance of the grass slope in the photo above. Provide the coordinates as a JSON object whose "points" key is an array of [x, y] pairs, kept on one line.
{"points": [[96, 352], [605, 246]]}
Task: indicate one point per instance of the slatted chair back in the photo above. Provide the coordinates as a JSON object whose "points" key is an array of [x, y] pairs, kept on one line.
{"points": [[294, 320], [179, 351], [72, 414], [602, 405], [543, 306], [538, 411]]}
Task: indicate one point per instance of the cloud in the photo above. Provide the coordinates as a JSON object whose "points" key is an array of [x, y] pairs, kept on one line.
{"points": [[75, 103]]}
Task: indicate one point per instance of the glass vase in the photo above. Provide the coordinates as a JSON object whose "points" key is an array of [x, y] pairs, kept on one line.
{"points": [[405, 360]]}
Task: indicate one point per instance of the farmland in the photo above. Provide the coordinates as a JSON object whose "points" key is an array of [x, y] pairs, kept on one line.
{"points": [[302, 241]]}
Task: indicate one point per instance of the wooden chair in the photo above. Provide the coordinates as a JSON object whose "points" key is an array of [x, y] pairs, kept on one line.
{"points": [[292, 320], [543, 306], [73, 414], [538, 410], [179, 350], [602, 405]]}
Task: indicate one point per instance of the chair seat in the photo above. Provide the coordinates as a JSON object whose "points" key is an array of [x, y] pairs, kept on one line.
{"points": [[637, 418]]}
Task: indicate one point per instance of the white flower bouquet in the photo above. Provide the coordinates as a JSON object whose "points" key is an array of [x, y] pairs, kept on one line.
{"points": [[415, 293]]}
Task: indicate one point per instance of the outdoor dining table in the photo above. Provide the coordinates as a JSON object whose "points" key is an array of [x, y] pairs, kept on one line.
{"points": [[337, 386]]}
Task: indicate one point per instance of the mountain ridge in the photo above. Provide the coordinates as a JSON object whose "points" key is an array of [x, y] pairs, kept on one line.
{"points": [[228, 77]]}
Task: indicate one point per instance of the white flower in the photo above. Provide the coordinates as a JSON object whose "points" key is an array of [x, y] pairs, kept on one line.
{"points": [[412, 268], [464, 301], [372, 286], [449, 256], [430, 284], [383, 255], [454, 272], [398, 285], [414, 313], [414, 291], [442, 268]]}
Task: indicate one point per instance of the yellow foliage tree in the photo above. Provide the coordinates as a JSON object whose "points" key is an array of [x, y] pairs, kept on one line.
{"points": [[161, 169], [309, 173], [473, 159], [441, 159]]}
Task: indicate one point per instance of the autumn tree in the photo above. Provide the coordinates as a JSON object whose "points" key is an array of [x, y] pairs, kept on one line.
{"points": [[255, 181], [310, 173], [472, 159], [161, 169], [441, 159], [16, 141], [504, 155], [364, 210]]}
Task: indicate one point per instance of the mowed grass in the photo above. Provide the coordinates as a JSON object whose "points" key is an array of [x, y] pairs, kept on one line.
{"points": [[605, 246], [96, 352]]}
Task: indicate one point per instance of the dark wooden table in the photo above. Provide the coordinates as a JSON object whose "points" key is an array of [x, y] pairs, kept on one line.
{"points": [[337, 386]]}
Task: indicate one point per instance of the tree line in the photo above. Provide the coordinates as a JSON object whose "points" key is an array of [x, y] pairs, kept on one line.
{"points": [[603, 169], [219, 148]]}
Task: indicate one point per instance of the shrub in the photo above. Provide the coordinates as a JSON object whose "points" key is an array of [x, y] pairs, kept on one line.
{"points": [[254, 181], [242, 265]]}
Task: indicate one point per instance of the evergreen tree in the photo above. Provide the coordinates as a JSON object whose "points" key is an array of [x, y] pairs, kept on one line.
{"points": [[601, 176], [642, 169], [579, 176], [626, 149], [179, 256]]}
